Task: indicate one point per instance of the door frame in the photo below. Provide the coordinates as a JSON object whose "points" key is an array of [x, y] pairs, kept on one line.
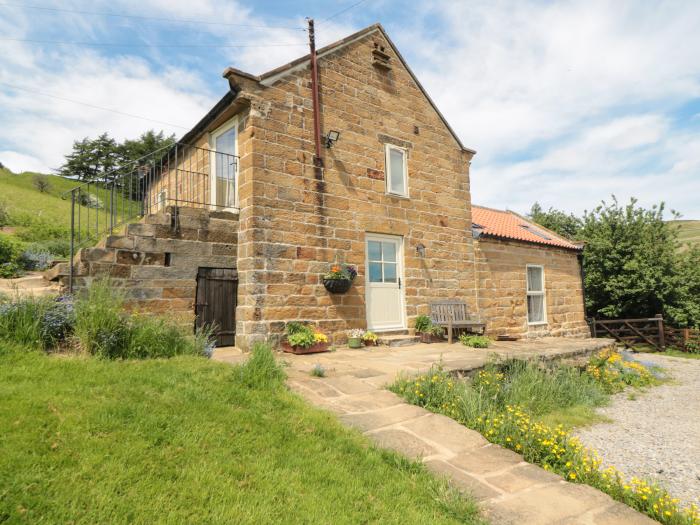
{"points": [[232, 123], [399, 273]]}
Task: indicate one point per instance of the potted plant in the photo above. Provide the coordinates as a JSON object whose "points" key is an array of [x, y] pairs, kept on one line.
{"points": [[423, 325], [302, 339], [355, 338], [370, 338], [339, 278], [436, 332]]}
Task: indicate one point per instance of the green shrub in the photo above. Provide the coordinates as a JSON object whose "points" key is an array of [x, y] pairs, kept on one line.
{"points": [[34, 259], [57, 247], [4, 214], [474, 341], [10, 270], [57, 323], [7, 250], [100, 324], [20, 320], [423, 323], [261, 371], [104, 329]]}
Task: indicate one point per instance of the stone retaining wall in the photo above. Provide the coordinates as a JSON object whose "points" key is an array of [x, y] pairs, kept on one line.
{"points": [[155, 262]]}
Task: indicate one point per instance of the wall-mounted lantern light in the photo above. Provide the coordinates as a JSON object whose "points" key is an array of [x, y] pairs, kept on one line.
{"points": [[420, 249], [331, 138]]}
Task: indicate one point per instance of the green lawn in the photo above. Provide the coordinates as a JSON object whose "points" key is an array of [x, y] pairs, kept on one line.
{"points": [[689, 231], [184, 441]]}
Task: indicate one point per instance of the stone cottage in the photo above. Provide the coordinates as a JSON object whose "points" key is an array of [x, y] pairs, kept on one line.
{"points": [[249, 190]]}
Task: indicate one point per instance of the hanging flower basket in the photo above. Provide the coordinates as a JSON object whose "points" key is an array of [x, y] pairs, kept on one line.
{"points": [[337, 285], [340, 278]]}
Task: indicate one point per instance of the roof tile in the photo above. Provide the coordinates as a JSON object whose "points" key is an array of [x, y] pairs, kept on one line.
{"points": [[510, 225]]}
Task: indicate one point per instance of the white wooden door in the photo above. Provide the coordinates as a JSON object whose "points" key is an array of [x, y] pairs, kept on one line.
{"points": [[383, 283]]}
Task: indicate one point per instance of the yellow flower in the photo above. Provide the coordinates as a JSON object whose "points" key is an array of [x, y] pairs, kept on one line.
{"points": [[572, 475]]}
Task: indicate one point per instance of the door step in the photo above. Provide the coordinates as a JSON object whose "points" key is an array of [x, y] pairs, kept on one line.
{"points": [[398, 340]]}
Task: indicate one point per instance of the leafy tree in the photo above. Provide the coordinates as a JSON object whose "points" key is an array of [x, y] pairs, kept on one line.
{"points": [[634, 268], [91, 159], [41, 183], [133, 150], [566, 224]]}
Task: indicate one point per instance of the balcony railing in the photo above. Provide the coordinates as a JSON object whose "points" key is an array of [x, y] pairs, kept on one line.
{"points": [[178, 175]]}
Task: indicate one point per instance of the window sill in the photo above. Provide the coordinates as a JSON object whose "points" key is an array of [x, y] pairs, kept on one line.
{"points": [[397, 196], [540, 323]]}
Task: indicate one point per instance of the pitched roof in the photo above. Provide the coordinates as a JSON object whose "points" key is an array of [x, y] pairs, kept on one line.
{"points": [[273, 75], [511, 226]]}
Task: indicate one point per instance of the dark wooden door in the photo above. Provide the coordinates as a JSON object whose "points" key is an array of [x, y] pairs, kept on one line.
{"points": [[217, 290]]}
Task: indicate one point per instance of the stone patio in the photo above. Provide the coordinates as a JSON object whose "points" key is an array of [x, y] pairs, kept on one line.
{"points": [[510, 490]]}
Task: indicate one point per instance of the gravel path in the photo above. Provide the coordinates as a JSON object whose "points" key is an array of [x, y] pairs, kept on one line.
{"points": [[656, 435]]}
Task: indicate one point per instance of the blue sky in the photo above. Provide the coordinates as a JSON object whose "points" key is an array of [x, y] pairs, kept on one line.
{"points": [[565, 102]]}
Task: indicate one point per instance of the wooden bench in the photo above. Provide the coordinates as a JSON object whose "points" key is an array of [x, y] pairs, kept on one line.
{"points": [[452, 314]]}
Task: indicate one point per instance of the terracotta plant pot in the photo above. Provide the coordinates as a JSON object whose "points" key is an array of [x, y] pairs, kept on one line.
{"points": [[425, 337], [369, 343], [300, 350], [337, 285], [354, 342]]}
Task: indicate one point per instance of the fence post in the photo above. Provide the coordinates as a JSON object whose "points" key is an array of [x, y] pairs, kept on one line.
{"points": [[662, 339], [111, 210], [72, 242], [594, 328], [686, 337]]}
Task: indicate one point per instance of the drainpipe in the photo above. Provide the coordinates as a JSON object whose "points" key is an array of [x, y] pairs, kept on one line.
{"points": [[582, 271], [318, 161]]}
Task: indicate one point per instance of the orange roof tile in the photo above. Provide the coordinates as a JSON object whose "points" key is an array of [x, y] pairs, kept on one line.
{"points": [[510, 225]]}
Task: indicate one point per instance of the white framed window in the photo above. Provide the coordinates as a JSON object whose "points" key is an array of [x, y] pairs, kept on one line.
{"points": [[224, 175], [536, 300], [396, 170], [161, 199]]}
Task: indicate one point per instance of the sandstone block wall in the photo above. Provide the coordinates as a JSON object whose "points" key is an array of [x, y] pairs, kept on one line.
{"points": [[155, 262], [502, 289], [297, 220]]}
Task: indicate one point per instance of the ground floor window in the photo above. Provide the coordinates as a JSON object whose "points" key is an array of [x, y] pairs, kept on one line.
{"points": [[536, 307]]}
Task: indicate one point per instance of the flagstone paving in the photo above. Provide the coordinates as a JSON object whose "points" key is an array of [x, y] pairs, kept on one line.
{"points": [[510, 490]]}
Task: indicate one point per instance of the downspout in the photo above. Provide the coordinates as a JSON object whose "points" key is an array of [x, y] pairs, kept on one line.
{"points": [[318, 161], [582, 272]]}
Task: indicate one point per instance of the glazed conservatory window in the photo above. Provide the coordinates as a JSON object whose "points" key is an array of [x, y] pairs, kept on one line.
{"points": [[536, 307]]}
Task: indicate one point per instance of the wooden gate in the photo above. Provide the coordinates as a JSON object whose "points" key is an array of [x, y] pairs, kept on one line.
{"points": [[629, 332], [217, 291]]}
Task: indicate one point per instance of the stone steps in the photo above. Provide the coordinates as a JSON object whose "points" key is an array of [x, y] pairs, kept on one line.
{"points": [[398, 339], [155, 261]]}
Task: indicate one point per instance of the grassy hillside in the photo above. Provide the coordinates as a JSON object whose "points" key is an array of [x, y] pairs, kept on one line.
{"points": [[32, 216], [21, 197], [689, 231]]}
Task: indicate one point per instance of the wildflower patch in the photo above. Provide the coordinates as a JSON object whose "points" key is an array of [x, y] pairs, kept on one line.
{"points": [[483, 403]]}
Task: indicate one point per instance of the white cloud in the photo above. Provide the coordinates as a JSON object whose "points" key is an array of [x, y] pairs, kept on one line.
{"points": [[584, 90], [565, 102]]}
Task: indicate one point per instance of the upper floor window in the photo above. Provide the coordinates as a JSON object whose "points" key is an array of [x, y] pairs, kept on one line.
{"points": [[536, 307], [396, 170]]}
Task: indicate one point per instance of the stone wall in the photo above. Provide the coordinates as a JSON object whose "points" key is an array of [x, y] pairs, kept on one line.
{"points": [[502, 289], [155, 262], [296, 220]]}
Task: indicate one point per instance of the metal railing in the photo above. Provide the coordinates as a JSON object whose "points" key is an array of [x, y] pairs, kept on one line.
{"points": [[177, 175]]}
